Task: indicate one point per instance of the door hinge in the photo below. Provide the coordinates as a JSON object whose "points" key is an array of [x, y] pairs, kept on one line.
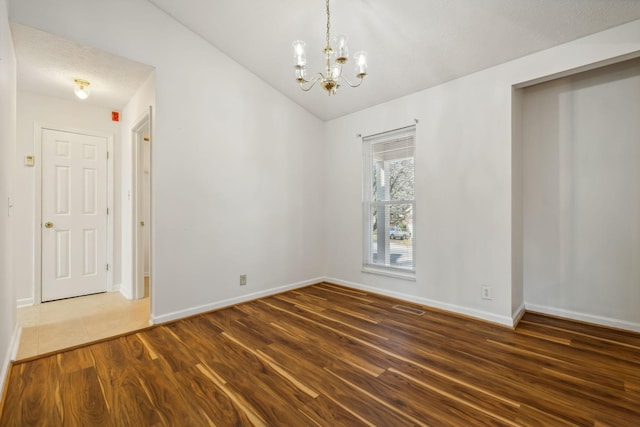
{"points": [[107, 154], [107, 211], [107, 267]]}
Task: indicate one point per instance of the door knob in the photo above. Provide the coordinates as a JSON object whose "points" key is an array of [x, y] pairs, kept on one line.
{"points": [[48, 224]]}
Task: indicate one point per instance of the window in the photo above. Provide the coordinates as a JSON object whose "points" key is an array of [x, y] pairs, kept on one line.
{"points": [[389, 202]]}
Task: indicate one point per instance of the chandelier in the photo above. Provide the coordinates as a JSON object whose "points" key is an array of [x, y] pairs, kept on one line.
{"points": [[334, 60]]}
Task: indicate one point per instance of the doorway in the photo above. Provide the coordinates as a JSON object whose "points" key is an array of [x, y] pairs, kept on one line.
{"points": [[142, 207]]}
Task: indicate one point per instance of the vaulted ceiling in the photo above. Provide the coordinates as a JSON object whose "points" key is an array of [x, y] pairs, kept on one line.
{"points": [[412, 44]]}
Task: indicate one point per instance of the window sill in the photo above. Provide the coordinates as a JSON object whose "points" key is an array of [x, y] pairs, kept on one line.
{"points": [[411, 276]]}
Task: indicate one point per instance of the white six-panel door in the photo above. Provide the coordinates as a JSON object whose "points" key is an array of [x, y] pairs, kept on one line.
{"points": [[74, 214]]}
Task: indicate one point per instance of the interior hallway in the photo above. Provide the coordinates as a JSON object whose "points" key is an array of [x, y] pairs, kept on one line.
{"points": [[70, 322]]}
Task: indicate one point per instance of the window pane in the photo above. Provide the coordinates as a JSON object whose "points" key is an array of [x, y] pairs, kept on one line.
{"points": [[391, 239], [389, 200]]}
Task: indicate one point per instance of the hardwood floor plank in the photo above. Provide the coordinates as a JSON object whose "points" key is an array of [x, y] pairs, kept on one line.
{"points": [[341, 292], [553, 353], [454, 407], [355, 314], [73, 361], [125, 396], [322, 411], [326, 355], [87, 405], [401, 412], [244, 374], [220, 405], [533, 417], [335, 320], [316, 340], [33, 395], [169, 347], [342, 289], [130, 403], [599, 332], [173, 404]]}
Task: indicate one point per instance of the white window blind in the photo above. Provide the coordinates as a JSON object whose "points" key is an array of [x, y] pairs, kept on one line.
{"points": [[389, 200]]}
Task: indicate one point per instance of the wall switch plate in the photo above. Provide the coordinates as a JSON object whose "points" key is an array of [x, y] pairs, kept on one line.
{"points": [[29, 160], [486, 292], [243, 279]]}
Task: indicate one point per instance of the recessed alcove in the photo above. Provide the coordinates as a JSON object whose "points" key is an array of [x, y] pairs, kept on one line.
{"points": [[577, 176]]}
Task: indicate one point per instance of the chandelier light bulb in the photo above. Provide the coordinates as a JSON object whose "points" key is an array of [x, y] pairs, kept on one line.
{"points": [[336, 70]]}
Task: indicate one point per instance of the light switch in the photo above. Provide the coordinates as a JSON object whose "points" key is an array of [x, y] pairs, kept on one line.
{"points": [[29, 160]]}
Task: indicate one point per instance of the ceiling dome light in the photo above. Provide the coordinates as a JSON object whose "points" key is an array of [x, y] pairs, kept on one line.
{"points": [[81, 88]]}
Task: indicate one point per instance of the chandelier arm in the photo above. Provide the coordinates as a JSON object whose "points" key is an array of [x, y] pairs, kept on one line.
{"points": [[351, 84], [318, 77]]}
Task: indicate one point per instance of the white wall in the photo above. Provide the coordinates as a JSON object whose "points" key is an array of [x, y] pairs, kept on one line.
{"points": [[8, 324], [464, 181], [581, 138], [463, 196], [36, 109], [237, 185]]}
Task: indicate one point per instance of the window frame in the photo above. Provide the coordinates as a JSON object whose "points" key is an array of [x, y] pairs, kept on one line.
{"points": [[368, 203]]}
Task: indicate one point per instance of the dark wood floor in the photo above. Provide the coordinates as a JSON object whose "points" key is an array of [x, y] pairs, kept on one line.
{"points": [[329, 356]]}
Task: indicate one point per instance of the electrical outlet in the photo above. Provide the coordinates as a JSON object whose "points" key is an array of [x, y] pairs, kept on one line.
{"points": [[243, 279], [486, 292]]}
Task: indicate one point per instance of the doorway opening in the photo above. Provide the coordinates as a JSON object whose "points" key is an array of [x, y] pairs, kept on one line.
{"points": [[141, 198], [120, 86]]}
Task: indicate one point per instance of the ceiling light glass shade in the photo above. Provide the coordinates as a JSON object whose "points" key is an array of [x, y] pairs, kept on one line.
{"points": [[81, 88], [361, 63], [299, 55], [341, 48]]}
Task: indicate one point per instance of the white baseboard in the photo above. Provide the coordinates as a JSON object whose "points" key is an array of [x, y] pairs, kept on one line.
{"points": [[229, 302], [126, 292], [472, 312], [584, 317], [12, 352], [115, 287], [517, 315], [24, 302]]}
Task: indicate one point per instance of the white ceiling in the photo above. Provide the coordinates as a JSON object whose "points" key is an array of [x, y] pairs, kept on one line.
{"points": [[48, 64], [412, 44]]}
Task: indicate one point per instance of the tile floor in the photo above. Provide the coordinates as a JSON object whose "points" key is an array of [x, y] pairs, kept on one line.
{"points": [[60, 324]]}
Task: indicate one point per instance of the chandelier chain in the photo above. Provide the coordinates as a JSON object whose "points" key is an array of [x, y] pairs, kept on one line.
{"points": [[328, 26]]}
